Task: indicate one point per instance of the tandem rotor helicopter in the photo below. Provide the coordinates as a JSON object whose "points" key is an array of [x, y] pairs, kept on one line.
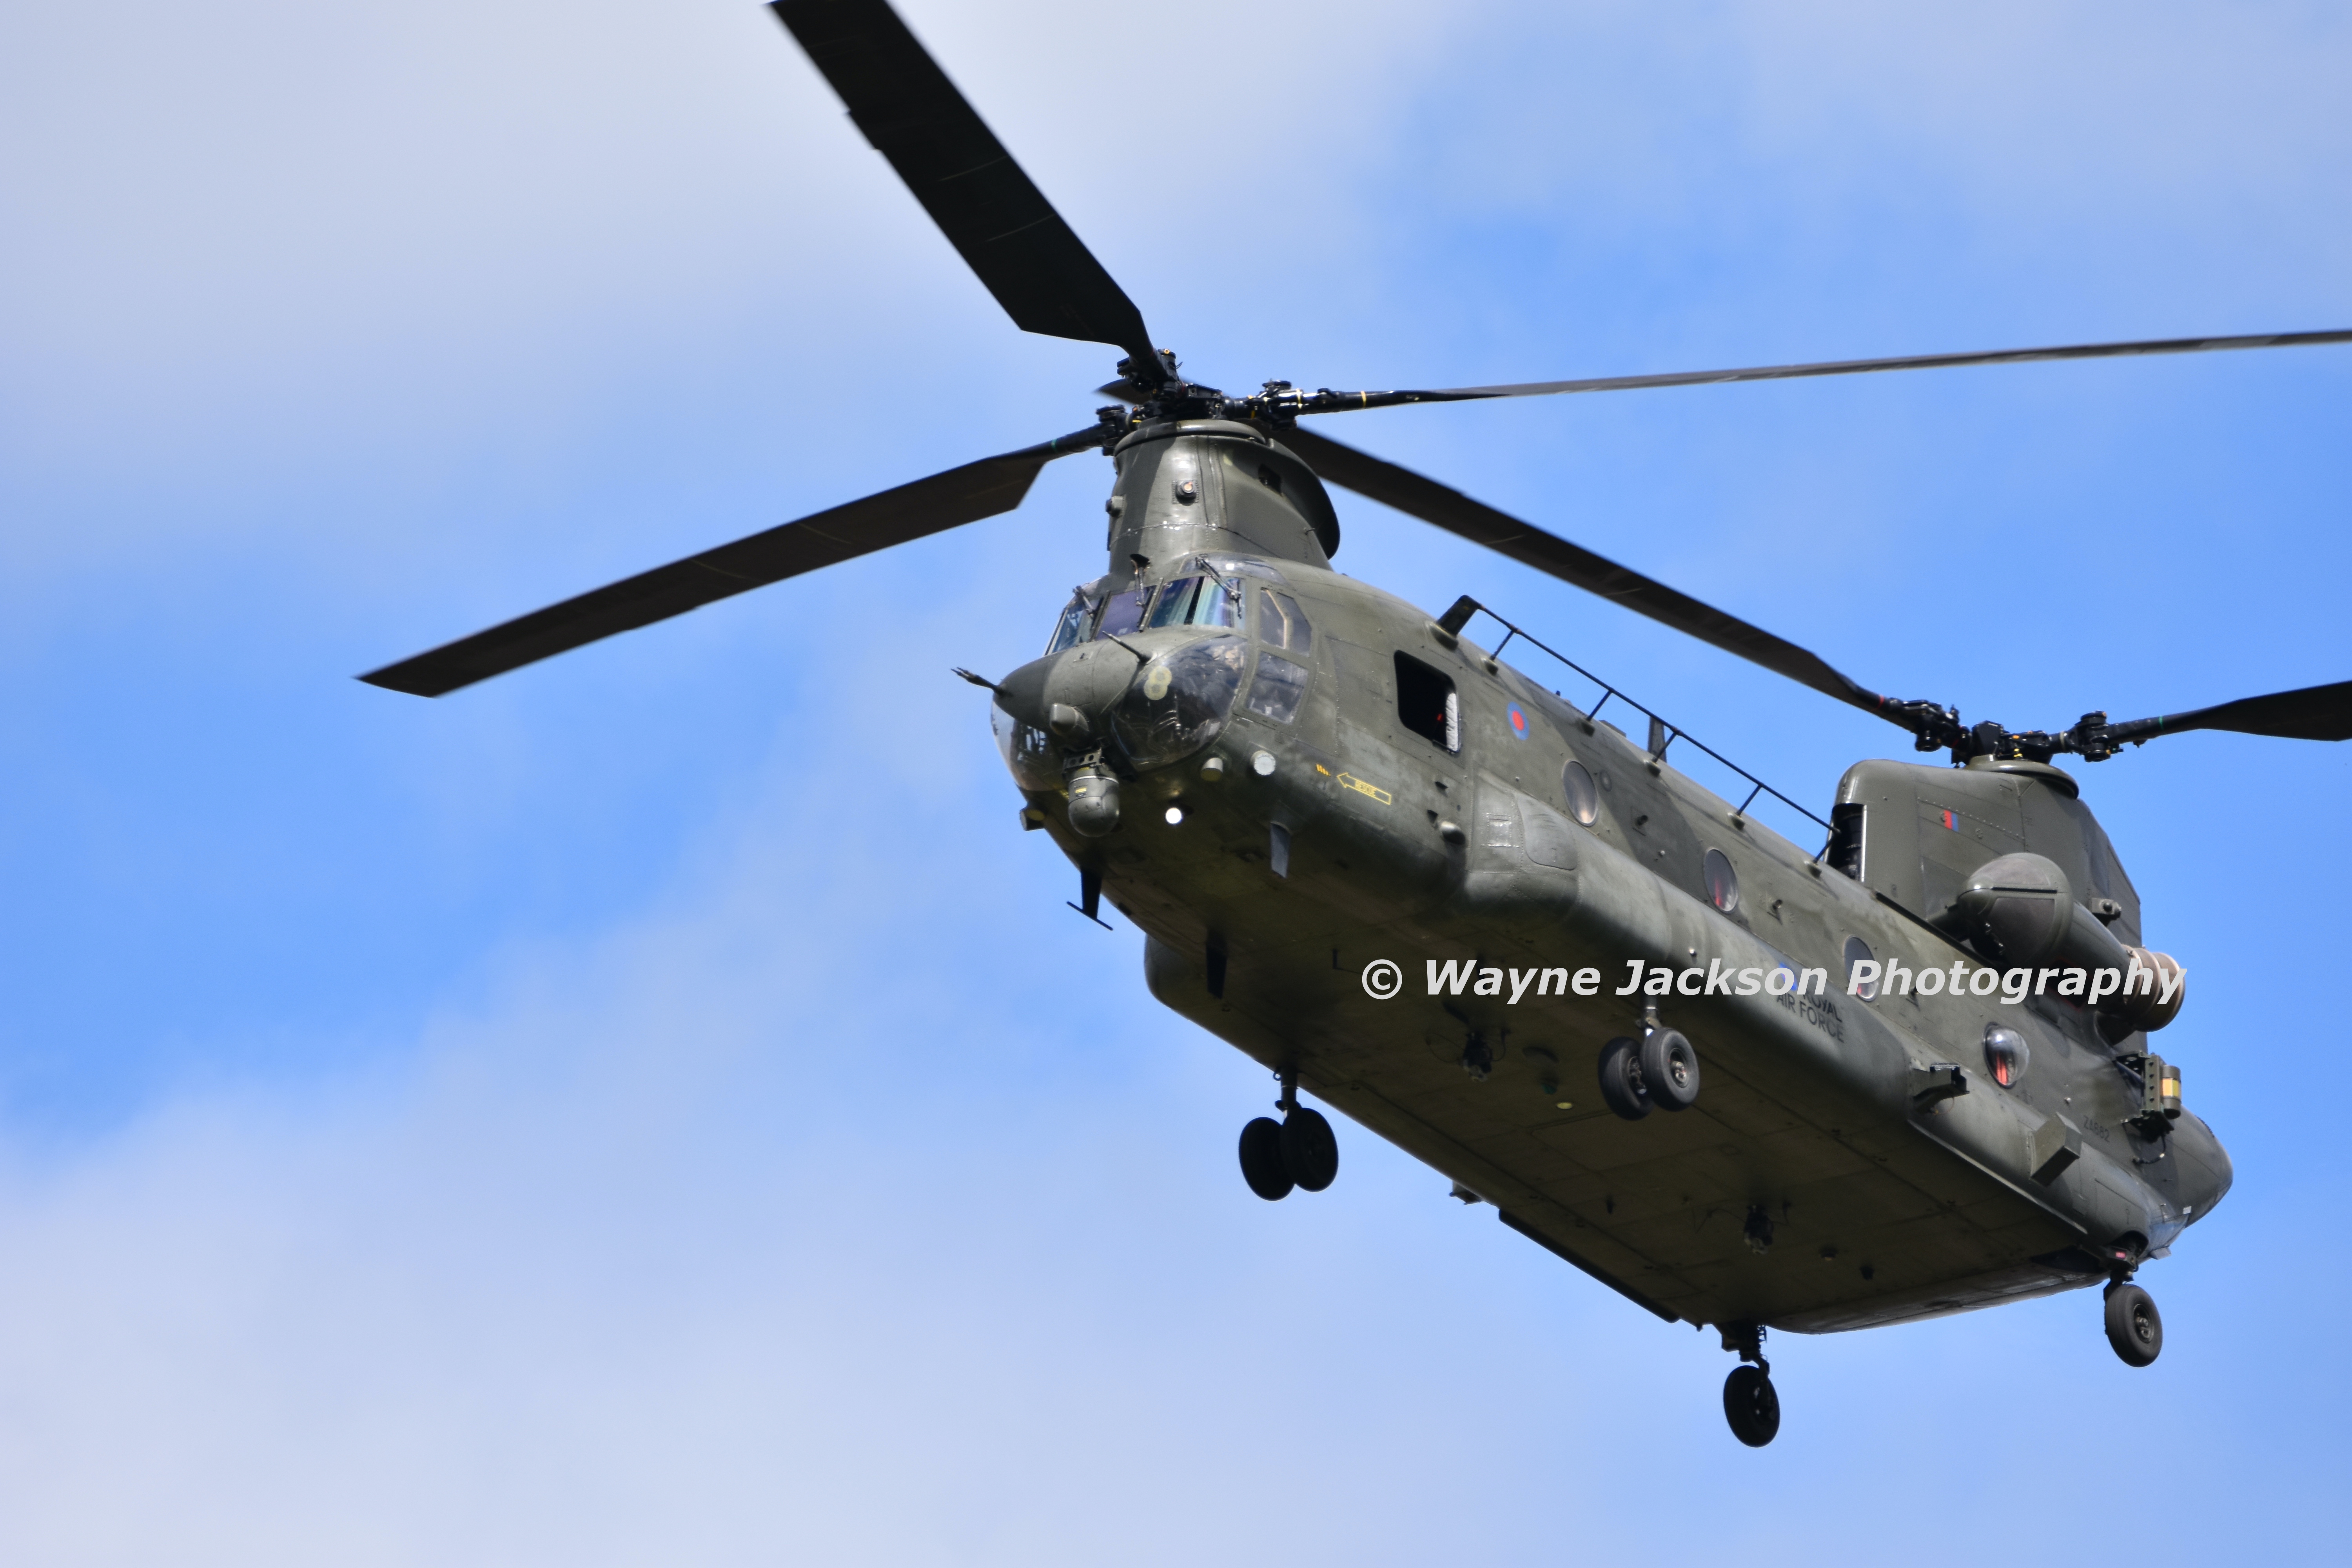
{"points": [[1417, 884]]}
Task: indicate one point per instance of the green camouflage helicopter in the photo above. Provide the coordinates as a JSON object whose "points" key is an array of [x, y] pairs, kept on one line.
{"points": [[1496, 929]]}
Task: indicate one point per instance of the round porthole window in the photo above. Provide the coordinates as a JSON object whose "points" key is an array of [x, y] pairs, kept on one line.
{"points": [[2005, 1055], [1858, 952], [1722, 881], [1583, 797]]}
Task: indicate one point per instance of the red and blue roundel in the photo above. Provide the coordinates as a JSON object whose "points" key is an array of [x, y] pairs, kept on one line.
{"points": [[1518, 722]]}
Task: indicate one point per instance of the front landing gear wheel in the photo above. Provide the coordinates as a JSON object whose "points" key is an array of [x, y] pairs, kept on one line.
{"points": [[1751, 1406], [1262, 1163], [2133, 1326], [1310, 1153]]}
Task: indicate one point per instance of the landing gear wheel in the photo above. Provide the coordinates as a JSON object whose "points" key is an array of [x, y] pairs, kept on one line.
{"points": [[1310, 1153], [1262, 1163], [1669, 1070], [1751, 1406], [1621, 1083], [2133, 1326]]}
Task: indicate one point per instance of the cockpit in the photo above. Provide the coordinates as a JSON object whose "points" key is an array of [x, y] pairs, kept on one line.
{"points": [[1181, 690], [1209, 593]]}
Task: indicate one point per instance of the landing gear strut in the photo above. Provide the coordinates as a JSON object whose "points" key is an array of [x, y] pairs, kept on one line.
{"points": [[1750, 1401], [1298, 1151]]}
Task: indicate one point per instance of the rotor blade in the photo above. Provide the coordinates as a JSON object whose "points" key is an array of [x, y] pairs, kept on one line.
{"points": [[2314, 713], [928, 506], [1407, 491], [1328, 402], [1002, 224]]}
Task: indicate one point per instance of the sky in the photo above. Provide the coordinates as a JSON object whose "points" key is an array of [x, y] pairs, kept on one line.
{"points": [[655, 1107]]}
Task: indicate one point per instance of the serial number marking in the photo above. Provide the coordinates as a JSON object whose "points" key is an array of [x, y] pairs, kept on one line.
{"points": [[1350, 780]]}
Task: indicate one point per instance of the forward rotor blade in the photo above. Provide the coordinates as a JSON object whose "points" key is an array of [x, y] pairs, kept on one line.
{"points": [[1340, 402], [999, 222], [928, 506], [1409, 493], [2314, 713]]}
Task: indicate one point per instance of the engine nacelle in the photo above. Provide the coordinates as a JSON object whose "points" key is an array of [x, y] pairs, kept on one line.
{"points": [[2020, 911], [2155, 985]]}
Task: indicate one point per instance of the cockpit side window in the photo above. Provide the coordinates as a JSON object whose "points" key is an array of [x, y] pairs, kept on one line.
{"points": [[1072, 627], [1280, 624]]}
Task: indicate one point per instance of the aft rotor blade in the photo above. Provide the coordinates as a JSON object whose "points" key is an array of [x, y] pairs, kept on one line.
{"points": [[928, 506], [1424, 498], [2314, 713], [1328, 402], [999, 222]]}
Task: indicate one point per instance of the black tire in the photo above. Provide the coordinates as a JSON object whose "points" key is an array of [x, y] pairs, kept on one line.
{"points": [[1262, 1165], [1751, 1406], [1620, 1085], [1310, 1153], [2133, 1326], [1669, 1070]]}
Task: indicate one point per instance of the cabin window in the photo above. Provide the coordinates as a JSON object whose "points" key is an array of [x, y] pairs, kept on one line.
{"points": [[1427, 704], [1857, 951], [1277, 688], [2005, 1055], [1583, 799], [1123, 611], [1722, 881], [1279, 624], [1197, 602], [1072, 626]]}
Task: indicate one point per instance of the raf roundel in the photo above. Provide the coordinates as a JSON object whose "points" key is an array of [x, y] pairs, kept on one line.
{"points": [[1518, 722]]}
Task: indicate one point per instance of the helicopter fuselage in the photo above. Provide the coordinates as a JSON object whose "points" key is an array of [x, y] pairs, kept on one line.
{"points": [[1400, 874], [1372, 857]]}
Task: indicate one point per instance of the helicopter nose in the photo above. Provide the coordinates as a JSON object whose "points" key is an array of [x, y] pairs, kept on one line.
{"points": [[1156, 705], [1022, 694], [1067, 694], [1066, 697]]}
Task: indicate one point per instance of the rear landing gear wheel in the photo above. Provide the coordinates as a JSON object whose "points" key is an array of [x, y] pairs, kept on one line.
{"points": [[1620, 1082], [1261, 1163], [1751, 1406], [1310, 1153], [2133, 1326]]}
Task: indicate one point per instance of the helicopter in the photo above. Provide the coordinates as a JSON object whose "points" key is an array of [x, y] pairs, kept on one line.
{"points": [[1743, 1085]]}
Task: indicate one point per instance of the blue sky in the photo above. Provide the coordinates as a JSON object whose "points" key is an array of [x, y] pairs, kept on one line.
{"points": [[605, 1116]]}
